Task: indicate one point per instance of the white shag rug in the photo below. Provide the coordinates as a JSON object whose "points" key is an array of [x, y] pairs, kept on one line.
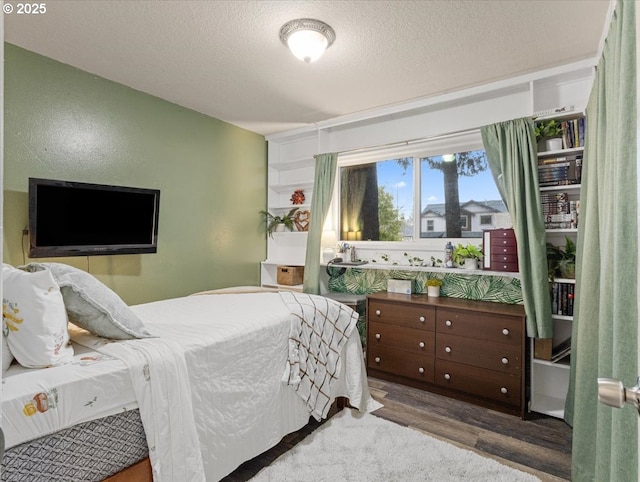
{"points": [[362, 447]]}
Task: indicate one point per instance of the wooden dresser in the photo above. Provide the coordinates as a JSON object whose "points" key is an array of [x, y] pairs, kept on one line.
{"points": [[470, 350]]}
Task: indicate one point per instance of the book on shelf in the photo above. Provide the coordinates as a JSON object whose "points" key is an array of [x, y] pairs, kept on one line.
{"points": [[560, 171], [562, 298], [573, 132]]}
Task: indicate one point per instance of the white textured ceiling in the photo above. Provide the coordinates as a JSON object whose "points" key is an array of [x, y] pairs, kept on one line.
{"points": [[225, 59]]}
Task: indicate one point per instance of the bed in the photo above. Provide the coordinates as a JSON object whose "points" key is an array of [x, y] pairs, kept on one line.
{"points": [[216, 379]]}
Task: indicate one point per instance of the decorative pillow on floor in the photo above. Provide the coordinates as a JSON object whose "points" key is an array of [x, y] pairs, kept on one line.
{"points": [[34, 318], [93, 306]]}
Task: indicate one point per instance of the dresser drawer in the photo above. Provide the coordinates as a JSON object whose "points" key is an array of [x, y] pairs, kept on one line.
{"points": [[500, 387], [512, 267], [481, 326], [400, 337], [398, 362], [494, 356], [413, 316], [504, 250]]}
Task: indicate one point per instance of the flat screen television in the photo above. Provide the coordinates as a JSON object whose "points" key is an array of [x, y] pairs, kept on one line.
{"points": [[69, 218]]}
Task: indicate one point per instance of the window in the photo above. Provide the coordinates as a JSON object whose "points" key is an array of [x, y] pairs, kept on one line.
{"points": [[441, 188], [376, 200], [486, 219]]}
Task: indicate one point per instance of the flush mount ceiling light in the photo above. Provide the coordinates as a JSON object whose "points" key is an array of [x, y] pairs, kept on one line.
{"points": [[307, 38]]}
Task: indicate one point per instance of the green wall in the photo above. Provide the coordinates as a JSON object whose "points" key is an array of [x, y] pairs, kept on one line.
{"points": [[63, 123]]}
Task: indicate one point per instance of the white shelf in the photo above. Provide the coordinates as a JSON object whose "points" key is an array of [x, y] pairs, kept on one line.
{"points": [[293, 164], [289, 207], [548, 405], [291, 187], [565, 187], [562, 317], [560, 231], [561, 152], [283, 287], [565, 280], [559, 364]]}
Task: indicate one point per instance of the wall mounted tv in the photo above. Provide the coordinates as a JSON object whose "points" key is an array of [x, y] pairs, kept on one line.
{"points": [[79, 219]]}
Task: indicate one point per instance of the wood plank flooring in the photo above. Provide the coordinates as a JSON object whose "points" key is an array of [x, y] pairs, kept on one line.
{"points": [[540, 445]]}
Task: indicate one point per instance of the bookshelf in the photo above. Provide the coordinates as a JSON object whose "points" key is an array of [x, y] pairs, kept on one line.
{"points": [[559, 177]]}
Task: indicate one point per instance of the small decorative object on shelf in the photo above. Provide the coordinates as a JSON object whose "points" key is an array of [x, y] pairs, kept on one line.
{"points": [[448, 255], [549, 131], [467, 256], [562, 260], [298, 197], [301, 220], [433, 286], [279, 223]]}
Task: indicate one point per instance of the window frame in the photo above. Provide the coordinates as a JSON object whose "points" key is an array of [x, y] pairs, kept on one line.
{"points": [[456, 142]]}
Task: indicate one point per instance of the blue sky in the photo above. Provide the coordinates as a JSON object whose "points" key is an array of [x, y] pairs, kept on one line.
{"points": [[399, 183]]}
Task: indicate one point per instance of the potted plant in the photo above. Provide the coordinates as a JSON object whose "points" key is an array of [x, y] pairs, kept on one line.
{"points": [[467, 256], [562, 260], [279, 223], [433, 286], [549, 131]]}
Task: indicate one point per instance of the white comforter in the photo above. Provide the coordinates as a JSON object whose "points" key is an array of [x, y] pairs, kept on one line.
{"points": [[220, 400]]}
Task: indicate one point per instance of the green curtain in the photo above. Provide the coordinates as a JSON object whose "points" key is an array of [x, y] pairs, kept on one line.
{"points": [[512, 156], [324, 178], [605, 324]]}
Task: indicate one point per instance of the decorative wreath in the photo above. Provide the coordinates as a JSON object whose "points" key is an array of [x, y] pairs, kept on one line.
{"points": [[297, 197]]}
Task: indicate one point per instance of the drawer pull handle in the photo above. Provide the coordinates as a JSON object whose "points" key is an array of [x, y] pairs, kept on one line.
{"points": [[505, 332], [504, 390], [378, 312], [377, 336], [421, 370], [505, 360], [422, 319], [421, 344], [447, 349], [447, 376], [377, 359], [448, 323]]}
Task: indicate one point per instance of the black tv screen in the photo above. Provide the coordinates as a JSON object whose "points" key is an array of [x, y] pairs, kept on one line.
{"points": [[79, 219]]}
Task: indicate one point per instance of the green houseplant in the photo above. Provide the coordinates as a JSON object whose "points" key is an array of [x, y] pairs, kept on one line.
{"points": [[562, 260], [433, 286], [274, 222], [467, 256], [549, 131]]}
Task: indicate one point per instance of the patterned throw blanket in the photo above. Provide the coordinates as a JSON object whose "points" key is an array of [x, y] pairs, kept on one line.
{"points": [[319, 329]]}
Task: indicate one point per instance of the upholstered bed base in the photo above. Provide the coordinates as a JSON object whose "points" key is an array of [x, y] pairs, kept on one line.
{"points": [[91, 451]]}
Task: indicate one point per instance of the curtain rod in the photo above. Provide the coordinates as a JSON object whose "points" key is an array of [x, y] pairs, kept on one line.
{"points": [[408, 142]]}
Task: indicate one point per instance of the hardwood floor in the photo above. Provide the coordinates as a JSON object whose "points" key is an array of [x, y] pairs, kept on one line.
{"points": [[540, 445]]}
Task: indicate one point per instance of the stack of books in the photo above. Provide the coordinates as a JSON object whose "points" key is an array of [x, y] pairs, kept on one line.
{"points": [[573, 132], [562, 295], [560, 171], [558, 212]]}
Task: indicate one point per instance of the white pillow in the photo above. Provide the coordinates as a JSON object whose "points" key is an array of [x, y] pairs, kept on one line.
{"points": [[91, 305], [7, 356], [35, 318]]}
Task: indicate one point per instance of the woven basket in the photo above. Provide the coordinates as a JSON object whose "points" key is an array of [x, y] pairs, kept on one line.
{"points": [[290, 275]]}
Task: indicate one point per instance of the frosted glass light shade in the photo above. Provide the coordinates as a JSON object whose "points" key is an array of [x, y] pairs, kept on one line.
{"points": [[307, 38], [307, 45]]}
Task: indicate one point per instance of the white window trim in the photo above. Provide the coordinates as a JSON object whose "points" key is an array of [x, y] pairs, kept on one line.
{"points": [[458, 142]]}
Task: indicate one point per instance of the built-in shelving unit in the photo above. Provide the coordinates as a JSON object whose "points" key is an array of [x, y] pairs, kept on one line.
{"points": [[549, 365]]}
